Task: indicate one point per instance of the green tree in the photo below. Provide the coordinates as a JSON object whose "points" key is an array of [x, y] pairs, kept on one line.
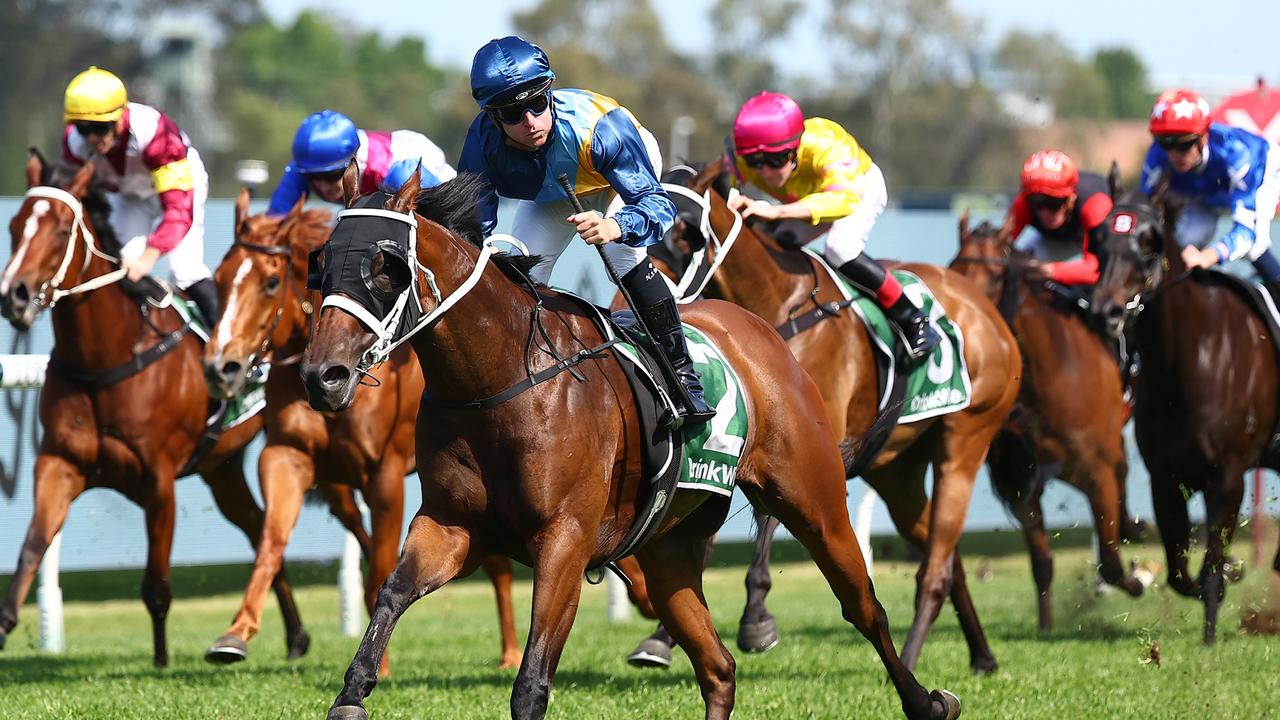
{"points": [[1125, 80]]}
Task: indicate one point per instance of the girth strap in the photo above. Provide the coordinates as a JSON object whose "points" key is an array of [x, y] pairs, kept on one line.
{"points": [[797, 324], [96, 380], [530, 381]]}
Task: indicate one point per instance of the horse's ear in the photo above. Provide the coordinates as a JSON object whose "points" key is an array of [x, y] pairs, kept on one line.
{"points": [[242, 207], [79, 185], [1113, 180], [296, 210], [351, 183], [964, 225], [35, 168], [406, 198]]}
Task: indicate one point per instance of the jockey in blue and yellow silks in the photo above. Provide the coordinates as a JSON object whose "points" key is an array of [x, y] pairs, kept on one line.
{"points": [[527, 135]]}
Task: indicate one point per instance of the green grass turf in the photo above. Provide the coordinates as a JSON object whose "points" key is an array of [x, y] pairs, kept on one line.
{"points": [[445, 648]]}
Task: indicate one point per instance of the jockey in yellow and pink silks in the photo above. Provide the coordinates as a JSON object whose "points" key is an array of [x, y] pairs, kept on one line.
{"points": [[827, 184]]}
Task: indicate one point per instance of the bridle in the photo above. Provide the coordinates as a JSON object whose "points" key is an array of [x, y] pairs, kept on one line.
{"points": [[282, 251], [683, 289], [51, 291]]}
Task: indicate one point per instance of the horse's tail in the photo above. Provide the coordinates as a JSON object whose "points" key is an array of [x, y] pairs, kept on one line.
{"points": [[1012, 462], [858, 452]]}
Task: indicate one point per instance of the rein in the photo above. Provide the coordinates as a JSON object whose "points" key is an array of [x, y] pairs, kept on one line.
{"points": [[285, 252], [681, 288], [79, 230]]}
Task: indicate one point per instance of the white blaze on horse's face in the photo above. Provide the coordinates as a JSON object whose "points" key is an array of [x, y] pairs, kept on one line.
{"points": [[233, 299], [29, 230]]}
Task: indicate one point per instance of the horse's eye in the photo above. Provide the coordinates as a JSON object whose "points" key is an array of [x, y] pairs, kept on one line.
{"points": [[388, 273], [273, 283]]}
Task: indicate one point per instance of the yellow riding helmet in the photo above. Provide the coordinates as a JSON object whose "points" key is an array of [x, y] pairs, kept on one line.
{"points": [[96, 95]]}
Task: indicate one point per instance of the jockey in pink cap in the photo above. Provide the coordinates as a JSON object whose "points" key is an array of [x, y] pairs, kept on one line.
{"points": [[827, 184]]}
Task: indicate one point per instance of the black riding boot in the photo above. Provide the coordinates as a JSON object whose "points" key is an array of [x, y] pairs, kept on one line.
{"points": [[916, 330], [205, 295], [658, 310]]}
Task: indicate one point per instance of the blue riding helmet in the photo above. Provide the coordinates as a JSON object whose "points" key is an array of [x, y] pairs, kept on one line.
{"points": [[401, 171], [505, 65], [325, 141]]}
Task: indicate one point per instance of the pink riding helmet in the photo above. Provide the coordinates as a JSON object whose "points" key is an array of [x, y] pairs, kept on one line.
{"points": [[768, 122]]}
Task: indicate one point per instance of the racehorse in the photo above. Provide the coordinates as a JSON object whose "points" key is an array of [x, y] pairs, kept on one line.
{"points": [[779, 283], [1058, 431], [267, 312], [1205, 396], [551, 476], [124, 402]]}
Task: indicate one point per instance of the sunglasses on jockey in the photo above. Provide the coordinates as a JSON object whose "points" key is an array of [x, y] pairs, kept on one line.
{"points": [[535, 100], [775, 160], [1046, 202], [94, 128], [332, 176], [1180, 143]]}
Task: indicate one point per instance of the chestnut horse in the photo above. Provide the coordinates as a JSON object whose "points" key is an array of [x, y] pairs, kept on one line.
{"points": [[1060, 431], [135, 434], [778, 283], [267, 312], [1206, 395], [551, 476]]}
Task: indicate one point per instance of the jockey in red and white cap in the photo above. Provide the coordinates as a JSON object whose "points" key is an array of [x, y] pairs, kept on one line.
{"points": [[157, 181]]}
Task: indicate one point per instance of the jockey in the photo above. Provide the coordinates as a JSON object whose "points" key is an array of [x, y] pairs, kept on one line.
{"points": [[828, 184], [325, 143], [1067, 209], [157, 181], [1217, 167], [527, 135]]}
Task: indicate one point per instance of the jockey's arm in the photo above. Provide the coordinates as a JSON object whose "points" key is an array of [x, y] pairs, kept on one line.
{"points": [[292, 187], [619, 155], [166, 157]]}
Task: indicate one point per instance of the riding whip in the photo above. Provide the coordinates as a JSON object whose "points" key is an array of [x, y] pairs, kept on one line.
{"points": [[663, 361]]}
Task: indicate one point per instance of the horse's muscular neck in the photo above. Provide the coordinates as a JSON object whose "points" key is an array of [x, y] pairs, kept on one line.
{"points": [[97, 329], [751, 275], [476, 349]]}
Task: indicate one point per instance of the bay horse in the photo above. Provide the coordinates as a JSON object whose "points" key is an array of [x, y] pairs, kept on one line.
{"points": [[777, 283], [110, 418], [1206, 394], [551, 477], [267, 313], [1059, 431]]}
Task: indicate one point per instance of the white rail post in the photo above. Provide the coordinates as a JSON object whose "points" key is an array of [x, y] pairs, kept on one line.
{"points": [[862, 526], [351, 582], [618, 605], [49, 599]]}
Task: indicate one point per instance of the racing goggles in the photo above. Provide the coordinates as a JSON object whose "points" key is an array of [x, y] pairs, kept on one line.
{"points": [[94, 128], [332, 176], [1046, 202], [775, 160], [535, 101], [1179, 143]]}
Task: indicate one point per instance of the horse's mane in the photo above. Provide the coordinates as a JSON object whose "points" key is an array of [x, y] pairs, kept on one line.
{"points": [[97, 208], [453, 205], [311, 228]]}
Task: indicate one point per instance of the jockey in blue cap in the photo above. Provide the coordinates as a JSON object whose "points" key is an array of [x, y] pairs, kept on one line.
{"points": [[527, 135], [327, 141]]}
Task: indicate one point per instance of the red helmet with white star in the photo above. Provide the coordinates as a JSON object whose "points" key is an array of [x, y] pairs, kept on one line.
{"points": [[1179, 112]]}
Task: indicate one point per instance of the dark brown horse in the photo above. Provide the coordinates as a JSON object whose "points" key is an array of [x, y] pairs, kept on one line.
{"points": [[133, 435], [267, 312], [552, 476], [777, 283], [1071, 412], [1206, 394]]}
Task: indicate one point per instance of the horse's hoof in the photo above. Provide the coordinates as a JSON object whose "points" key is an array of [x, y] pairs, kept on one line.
{"points": [[651, 653], [3, 636], [299, 645], [347, 712], [983, 666], [226, 650], [758, 637], [950, 703], [1134, 586]]}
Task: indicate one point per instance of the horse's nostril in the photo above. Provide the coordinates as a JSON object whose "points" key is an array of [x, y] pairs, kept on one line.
{"points": [[334, 375], [231, 369], [1114, 312]]}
